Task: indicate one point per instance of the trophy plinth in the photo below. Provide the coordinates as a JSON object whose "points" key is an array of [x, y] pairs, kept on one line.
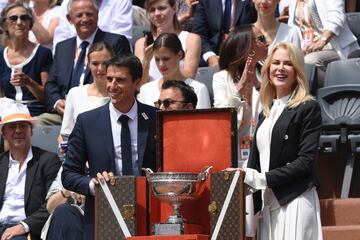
{"points": [[175, 188]]}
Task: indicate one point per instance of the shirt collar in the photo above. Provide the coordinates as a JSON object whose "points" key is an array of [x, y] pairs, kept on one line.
{"points": [[27, 159], [131, 114], [90, 39]]}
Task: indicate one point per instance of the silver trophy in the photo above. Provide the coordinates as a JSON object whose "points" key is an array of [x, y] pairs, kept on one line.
{"points": [[175, 188]]}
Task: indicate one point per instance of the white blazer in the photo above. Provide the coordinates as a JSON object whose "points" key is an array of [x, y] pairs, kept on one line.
{"points": [[333, 18]]}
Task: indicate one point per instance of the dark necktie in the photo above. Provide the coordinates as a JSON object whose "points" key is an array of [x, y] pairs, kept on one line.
{"points": [[227, 16], [79, 67], [127, 168]]}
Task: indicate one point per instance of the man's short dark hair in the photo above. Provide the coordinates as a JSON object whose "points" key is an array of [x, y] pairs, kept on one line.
{"points": [[186, 90], [130, 62]]}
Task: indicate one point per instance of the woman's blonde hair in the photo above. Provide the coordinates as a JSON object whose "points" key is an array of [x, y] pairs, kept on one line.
{"points": [[176, 22], [300, 88]]}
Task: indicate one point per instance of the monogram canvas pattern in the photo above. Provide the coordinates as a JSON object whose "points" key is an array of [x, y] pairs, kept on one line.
{"points": [[233, 226], [124, 193]]}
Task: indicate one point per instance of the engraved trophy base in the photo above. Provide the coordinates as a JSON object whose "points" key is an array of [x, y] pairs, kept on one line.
{"points": [[168, 229]]}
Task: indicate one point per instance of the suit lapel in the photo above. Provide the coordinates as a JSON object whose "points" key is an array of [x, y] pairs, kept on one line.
{"points": [[143, 127], [106, 132], [238, 11], [216, 14], [70, 64], [278, 134], [30, 173], [4, 167]]}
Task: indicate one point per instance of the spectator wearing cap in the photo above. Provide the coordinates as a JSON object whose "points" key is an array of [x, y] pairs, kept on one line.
{"points": [[26, 173]]}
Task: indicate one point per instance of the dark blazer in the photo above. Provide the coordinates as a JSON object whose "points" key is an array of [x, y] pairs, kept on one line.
{"points": [[293, 151], [208, 21], [40, 173], [91, 140], [58, 83]]}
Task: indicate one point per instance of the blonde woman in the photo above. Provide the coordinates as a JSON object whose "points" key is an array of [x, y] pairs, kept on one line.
{"points": [[280, 169]]}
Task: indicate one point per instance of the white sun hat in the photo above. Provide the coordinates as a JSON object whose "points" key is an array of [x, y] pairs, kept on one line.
{"points": [[14, 113]]}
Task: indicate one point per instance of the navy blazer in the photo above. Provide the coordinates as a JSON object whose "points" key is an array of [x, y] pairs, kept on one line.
{"points": [[40, 173], [91, 140], [293, 150], [58, 83], [208, 21]]}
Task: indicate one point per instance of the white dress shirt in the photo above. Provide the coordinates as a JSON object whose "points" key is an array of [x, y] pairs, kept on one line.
{"points": [[116, 134], [13, 209]]}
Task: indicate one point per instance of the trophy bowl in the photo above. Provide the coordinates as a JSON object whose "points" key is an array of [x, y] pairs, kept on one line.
{"points": [[177, 188]]}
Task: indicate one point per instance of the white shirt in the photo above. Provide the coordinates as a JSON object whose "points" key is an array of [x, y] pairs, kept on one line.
{"points": [[116, 134], [78, 101], [150, 92], [13, 209]]}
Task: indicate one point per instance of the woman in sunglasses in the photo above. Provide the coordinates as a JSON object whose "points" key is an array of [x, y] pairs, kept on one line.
{"points": [[235, 86], [271, 28], [24, 65], [168, 53]]}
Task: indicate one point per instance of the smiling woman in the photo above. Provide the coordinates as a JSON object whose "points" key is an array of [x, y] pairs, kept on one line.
{"points": [[280, 169], [24, 66]]}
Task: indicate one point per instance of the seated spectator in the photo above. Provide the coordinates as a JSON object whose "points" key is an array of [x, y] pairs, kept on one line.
{"points": [[325, 35], [176, 95], [167, 54], [115, 16], [273, 30], [89, 96], [24, 65], [214, 20], [162, 15], [27, 173], [46, 19], [235, 85], [64, 73]]}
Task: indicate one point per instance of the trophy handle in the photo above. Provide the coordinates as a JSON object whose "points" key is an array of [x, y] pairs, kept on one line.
{"points": [[204, 173], [148, 171]]}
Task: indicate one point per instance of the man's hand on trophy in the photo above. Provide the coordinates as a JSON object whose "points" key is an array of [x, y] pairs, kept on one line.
{"points": [[102, 177]]}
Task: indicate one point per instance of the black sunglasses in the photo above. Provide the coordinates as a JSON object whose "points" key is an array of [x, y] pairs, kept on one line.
{"points": [[166, 102], [261, 38], [23, 18]]}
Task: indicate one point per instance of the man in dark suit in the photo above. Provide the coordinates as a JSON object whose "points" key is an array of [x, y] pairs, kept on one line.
{"points": [[69, 66], [26, 174], [210, 24], [99, 136]]}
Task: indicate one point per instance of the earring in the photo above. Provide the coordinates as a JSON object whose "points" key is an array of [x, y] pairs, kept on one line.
{"points": [[251, 53]]}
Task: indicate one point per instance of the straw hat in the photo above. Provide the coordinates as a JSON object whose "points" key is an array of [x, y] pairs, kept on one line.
{"points": [[14, 113]]}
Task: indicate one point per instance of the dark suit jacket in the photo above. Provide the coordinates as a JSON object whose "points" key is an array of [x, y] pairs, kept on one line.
{"points": [[58, 83], [40, 173], [208, 21], [293, 151], [91, 140]]}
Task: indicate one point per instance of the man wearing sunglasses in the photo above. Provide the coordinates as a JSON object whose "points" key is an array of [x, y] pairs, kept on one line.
{"points": [[176, 95]]}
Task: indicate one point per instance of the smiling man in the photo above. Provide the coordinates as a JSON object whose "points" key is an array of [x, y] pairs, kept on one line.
{"points": [[116, 139], [26, 174], [69, 66]]}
